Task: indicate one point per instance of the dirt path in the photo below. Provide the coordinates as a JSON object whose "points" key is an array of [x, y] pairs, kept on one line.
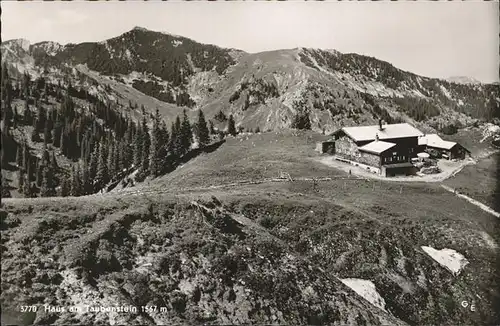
{"points": [[473, 201]]}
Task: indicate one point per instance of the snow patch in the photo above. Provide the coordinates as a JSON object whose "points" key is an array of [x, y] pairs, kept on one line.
{"points": [[448, 258], [176, 43], [366, 289]]}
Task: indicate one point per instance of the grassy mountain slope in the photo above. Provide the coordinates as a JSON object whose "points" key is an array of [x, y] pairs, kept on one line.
{"points": [[282, 245]]}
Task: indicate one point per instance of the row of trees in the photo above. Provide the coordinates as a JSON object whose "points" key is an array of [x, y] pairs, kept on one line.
{"points": [[100, 144]]}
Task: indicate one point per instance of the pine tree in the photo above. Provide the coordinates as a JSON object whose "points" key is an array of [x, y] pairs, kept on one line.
{"points": [[5, 187], [102, 176], [146, 145], [28, 170], [53, 161], [138, 148], [94, 159], [111, 159], [15, 118], [231, 126], [146, 152], [155, 164], [202, 130], [28, 118], [26, 156], [19, 156], [86, 185], [46, 134], [20, 181], [40, 118], [39, 173], [174, 144], [28, 188], [186, 133], [45, 157], [65, 186], [26, 85], [116, 161], [47, 189], [75, 186], [35, 137]]}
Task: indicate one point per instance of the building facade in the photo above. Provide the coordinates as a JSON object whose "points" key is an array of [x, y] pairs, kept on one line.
{"points": [[440, 148], [386, 148]]}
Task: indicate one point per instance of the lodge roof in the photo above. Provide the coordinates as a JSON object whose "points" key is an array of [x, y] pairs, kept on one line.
{"points": [[377, 147], [391, 131], [433, 140]]}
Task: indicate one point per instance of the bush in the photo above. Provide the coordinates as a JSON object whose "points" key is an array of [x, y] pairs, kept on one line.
{"points": [[268, 222]]}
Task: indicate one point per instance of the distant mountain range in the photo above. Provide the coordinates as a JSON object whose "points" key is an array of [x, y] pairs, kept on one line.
{"points": [[262, 90], [463, 80]]}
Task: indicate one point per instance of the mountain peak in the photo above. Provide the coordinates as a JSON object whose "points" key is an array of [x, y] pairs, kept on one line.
{"points": [[22, 43], [139, 28]]}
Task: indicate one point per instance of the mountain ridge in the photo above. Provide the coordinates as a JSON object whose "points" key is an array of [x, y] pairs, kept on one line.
{"points": [[194, 75]]}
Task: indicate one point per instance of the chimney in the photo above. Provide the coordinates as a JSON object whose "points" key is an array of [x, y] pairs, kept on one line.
{"points": [[380, 124], [376, 137]]}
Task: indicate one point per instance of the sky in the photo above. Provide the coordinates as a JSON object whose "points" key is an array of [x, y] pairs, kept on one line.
{"points": [[434, 39]]}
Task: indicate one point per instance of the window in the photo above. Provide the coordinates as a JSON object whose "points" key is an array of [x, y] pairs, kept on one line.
{"points": [[394, 153]]}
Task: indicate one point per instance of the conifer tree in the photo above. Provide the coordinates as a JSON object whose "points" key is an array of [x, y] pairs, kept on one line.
{"points": [[27, 114], [15, 118], [28, 188], [19, 156], [39, 173], [138, 148], [45, 157], [53, 161], [155, 164], [86, 185], [122, 150], [26, 155], [202, 130], [102, 176], [35, 137], [186, 133], [65, 186], [20, 181], [46, 134], [40, 118], [94, 159], [146, 145], [165, 137], [116, 161], [5, 187], [231, 127], [29, 171], [47, 189], [62, 143], [111, 159], [75, 186], [174, 135]]}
